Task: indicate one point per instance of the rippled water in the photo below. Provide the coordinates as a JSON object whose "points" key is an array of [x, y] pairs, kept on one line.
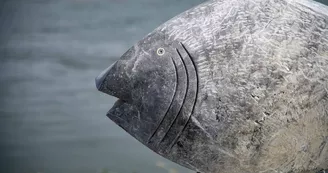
{"points": [[52, 118]]}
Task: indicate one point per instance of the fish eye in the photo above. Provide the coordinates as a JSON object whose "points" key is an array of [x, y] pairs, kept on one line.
{"points": [[160, 51]]}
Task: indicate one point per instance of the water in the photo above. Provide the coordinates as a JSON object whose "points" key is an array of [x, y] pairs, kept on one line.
{"points": [[52, 118]]}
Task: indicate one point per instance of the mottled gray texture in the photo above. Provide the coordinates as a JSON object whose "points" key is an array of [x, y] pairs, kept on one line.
{"points": [[242, 87]]}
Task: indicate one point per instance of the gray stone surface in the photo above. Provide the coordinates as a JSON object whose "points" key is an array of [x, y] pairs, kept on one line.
{"points": [[230, 86]]}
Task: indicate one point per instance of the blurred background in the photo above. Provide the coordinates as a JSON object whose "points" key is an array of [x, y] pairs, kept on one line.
{"points": [[52, 118]]}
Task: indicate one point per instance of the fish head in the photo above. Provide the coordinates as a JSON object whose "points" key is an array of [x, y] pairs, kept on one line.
{"points": [[144, 81]]}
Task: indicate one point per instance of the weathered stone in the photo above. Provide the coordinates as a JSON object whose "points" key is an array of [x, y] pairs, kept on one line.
{"points": [[230, 86]]}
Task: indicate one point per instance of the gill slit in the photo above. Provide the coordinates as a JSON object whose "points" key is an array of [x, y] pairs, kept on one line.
{"points": [[184, 98], [175, 91], [194, 104]]}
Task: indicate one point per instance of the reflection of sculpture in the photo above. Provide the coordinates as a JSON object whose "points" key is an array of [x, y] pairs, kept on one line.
{"points": [[230, 86]]}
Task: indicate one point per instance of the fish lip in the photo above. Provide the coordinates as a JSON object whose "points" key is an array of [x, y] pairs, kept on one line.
{"points": [[118, 103], [99, 80]]}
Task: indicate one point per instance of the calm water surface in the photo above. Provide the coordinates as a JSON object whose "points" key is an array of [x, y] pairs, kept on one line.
{"points": [[52, 118]]}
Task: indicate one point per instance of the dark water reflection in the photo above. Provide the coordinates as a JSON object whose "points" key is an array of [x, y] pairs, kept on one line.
{"points": [[52, 118]]}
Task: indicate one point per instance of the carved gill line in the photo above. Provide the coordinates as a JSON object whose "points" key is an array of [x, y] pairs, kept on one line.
{"points": [[196, 96], [175, 92], [184, 99]]}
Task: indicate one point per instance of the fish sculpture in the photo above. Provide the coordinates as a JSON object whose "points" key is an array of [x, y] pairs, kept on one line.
{"points": [[229, 86]]}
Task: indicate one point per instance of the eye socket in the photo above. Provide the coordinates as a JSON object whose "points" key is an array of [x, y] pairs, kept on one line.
{"points": [[160, 51]]}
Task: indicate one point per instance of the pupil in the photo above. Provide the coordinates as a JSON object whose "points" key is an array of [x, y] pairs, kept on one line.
{"points": [[160, 51]]}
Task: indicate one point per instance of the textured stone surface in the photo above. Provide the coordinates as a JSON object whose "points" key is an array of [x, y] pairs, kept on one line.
{"points": [[230, 86]]}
